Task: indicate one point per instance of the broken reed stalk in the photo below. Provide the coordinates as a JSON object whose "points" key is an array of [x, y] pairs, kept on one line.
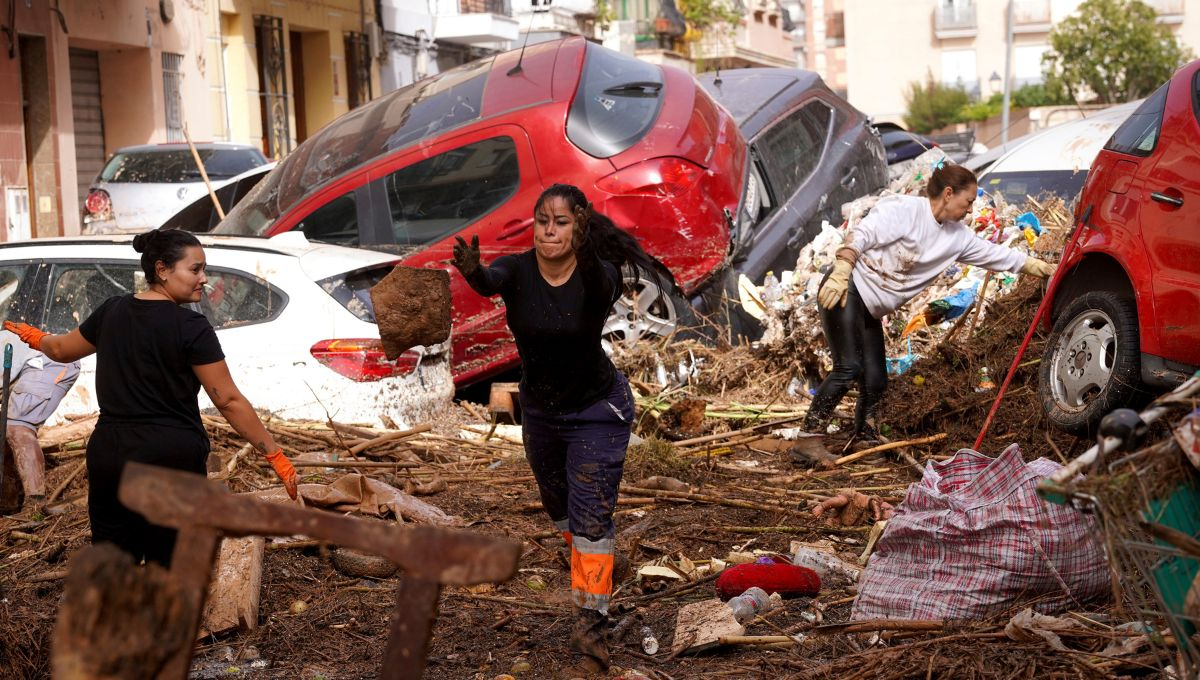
{"points": [[704, 498], [516, 603], [873, 625], [754, 639], [795, 530], [736, 433], [888, 447], [62, 486], [391, 436], [671, 592]]}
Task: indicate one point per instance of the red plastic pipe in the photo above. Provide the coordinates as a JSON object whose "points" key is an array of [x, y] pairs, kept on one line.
{"points": [[1037, 317]]}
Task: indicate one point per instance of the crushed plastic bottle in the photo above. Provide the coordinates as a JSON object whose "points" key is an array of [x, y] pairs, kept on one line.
{"points": [[749, 604], [649, 642]]}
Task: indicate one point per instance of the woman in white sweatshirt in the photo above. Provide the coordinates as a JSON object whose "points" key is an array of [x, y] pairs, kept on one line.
{"points": [[886, 260]]}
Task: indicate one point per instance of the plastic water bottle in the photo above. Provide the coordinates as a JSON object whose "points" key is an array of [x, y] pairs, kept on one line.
{"points": [[649, 642], [748, 605], [772, 293]]}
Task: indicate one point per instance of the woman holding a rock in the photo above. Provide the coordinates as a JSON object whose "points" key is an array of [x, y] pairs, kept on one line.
{"points": [[577, 408], [893, 254]]}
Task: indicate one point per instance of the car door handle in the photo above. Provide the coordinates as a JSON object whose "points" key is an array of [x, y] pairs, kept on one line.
{"points": [[514, 227], [1169, 200]]}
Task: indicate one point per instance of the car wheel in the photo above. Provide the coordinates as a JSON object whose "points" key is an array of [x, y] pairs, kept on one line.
{"points": [[643, 312], [1092, 362]]}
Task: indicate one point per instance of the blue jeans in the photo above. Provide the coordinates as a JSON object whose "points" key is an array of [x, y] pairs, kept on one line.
{"points": [[577, 459]]}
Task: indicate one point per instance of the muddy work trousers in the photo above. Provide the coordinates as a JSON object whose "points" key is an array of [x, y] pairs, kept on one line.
{"points": [[856, 341], [577, 459]]}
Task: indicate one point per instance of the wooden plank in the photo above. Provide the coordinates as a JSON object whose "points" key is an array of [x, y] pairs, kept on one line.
{"points": [[448, 556], [233, 596]]}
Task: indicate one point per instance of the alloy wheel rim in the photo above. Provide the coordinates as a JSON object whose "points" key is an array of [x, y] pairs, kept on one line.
{"points": [[1083, 359], [640, 312]]}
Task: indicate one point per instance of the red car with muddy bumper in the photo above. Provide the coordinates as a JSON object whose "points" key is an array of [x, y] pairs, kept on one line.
{"points": [[1126, 317], [466, 153]]}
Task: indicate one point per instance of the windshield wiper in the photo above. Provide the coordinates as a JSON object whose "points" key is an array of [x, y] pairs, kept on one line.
{"points": [[638, 89]]}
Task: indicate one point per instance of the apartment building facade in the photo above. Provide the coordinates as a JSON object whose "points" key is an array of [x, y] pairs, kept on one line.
{"points": [[80, 79], [961, 42]]}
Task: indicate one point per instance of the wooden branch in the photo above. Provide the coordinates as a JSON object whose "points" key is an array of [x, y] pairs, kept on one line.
{"points": [[736, 433], [79, 467], [703, 498], [889, 446], [391, 436]]}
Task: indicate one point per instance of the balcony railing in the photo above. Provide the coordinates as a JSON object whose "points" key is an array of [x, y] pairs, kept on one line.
{"points": [[955, 21], [484, 7], [1031, 12], [1168, 10]]}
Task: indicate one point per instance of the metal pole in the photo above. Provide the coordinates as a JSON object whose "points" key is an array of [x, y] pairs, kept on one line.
{"points": [[1008, 48], [8, 354]]}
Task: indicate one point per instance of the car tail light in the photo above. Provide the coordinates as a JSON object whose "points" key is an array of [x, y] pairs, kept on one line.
{"points": [[98, 203], [656, 177], [362, 359]]}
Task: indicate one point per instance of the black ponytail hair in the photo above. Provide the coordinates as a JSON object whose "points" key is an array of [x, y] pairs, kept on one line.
{"points": [[609, 241], [162, 245]]}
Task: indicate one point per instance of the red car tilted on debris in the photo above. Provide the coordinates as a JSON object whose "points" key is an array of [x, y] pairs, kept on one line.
{"points": [[1126, 316], [466, 153]]}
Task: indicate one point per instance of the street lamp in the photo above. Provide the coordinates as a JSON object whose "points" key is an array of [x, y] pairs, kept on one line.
{"points": [[994, 81]]}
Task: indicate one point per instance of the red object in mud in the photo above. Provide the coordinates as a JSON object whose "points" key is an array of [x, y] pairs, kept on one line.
{"points": [[778, 577]]}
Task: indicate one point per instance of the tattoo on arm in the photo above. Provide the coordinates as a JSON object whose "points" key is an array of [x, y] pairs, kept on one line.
{"points": [[262, 446]]}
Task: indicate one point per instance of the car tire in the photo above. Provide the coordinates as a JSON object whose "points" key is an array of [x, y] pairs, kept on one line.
{"points": [[644, 312], [1092, 363]]}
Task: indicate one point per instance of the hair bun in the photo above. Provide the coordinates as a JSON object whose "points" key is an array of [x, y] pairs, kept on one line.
{"points": [[143, 241]]}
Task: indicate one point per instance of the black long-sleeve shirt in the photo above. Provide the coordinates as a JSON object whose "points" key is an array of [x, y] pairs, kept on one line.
{"points": [[557, 328]]}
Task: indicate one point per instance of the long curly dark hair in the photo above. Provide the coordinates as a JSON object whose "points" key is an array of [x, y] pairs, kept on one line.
{"points": [[609, 241]]}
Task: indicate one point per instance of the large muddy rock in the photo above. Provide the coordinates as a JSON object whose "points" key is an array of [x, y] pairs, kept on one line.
{"points": [[412, 307]]}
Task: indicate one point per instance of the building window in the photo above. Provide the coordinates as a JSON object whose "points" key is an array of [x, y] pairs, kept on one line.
{"points": [[1027, 64], [172, 67], [272, 86], [358, 68], [835, 30], [959, 70]]}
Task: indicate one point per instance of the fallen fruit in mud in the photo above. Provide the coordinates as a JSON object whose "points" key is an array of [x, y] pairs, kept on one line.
{"points": [[298, 607]]}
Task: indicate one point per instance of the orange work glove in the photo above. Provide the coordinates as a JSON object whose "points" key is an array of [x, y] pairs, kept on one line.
{"points": [[29, 335], [283, 468]]}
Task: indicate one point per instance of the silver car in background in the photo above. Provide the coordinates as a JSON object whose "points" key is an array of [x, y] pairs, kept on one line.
{"points": [[141, 187]]}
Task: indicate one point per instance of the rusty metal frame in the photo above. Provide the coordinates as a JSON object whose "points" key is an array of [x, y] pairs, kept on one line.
{"points": [[204, 511]]}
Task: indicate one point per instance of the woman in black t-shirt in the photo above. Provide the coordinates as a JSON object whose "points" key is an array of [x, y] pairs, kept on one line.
{"points": [[577, 409], [152, 357]]}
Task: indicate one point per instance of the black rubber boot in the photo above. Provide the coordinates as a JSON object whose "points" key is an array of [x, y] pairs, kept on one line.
{"points": [[589, 639]]}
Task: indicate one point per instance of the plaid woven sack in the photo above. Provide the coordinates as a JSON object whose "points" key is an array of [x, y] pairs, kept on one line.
{"points": [[972, 540]]}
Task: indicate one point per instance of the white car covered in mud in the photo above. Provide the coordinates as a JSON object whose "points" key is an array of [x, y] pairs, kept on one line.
{"points": [[294, 318]]}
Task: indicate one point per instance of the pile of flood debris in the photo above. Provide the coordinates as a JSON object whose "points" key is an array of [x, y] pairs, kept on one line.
{"points": [[718, 481]]}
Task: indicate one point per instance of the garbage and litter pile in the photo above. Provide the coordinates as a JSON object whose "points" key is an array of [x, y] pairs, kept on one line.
{"points": [[928, 559]]}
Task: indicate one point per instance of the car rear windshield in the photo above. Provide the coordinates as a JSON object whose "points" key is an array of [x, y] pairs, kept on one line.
{"points": [[176, 166], [1017, 187], [352, 290], [1138, 135], [400, 118], [616, 103]]}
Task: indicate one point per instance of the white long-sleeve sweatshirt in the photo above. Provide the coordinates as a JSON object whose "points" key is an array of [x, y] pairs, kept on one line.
{"points": [[902, 248]]}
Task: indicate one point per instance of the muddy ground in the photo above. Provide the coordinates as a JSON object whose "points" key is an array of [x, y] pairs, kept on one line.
{"points": [[521, 626]]}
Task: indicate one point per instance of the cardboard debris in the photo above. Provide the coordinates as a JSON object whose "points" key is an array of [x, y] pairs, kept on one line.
{"points": [[701, 625]]}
